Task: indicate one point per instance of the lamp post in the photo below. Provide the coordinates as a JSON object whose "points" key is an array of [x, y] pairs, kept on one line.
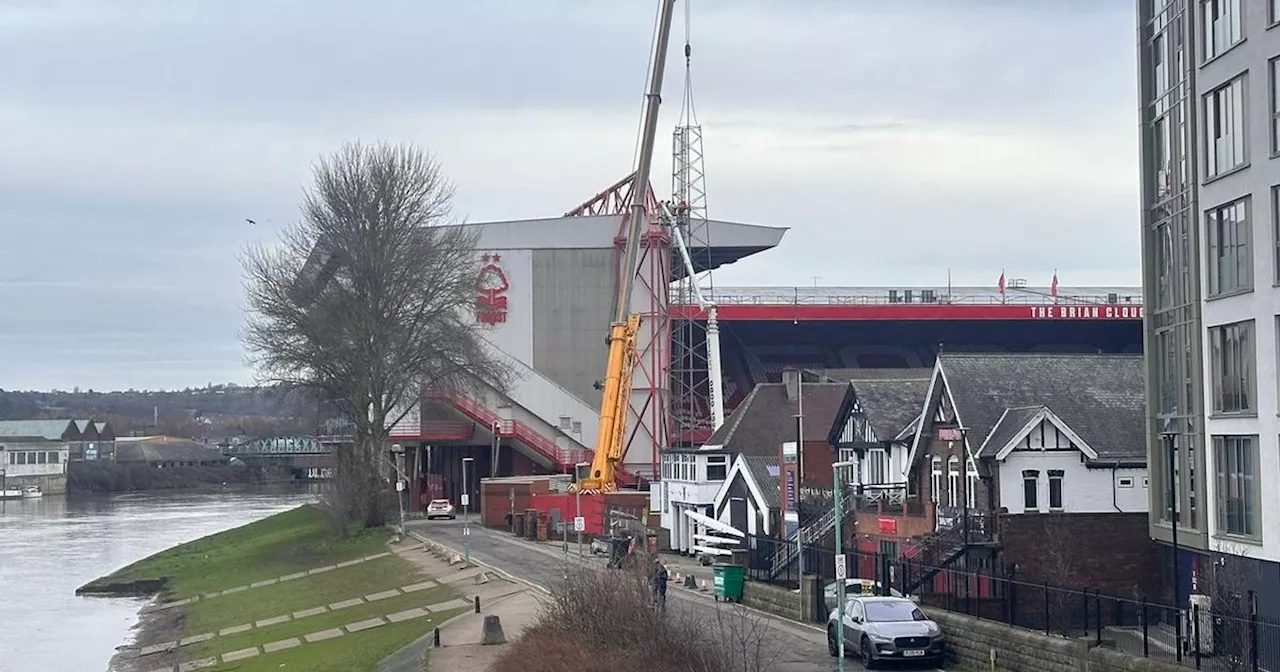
{"points": [[466, 511], [1170, 436], [836, 473], [578, 470], [398, 464]]}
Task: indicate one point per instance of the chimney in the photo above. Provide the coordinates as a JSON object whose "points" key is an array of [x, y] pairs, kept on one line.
{"points": [[791, 378]]}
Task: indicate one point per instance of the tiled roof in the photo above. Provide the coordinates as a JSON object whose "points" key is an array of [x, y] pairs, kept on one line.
{"points": [[1013, 420], [1100, 397], [764, 471], [892, 403], [766, 418], [45, 429]]}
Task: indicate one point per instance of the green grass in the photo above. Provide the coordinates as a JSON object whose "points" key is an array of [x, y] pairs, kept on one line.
{"points": [[325, 621], [359, 652], [255, 604], [285, 543]]}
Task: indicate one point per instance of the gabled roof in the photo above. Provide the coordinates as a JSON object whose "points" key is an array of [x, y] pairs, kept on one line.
{"points": [[1011, 423], [53, 430], [891, 401], [766, 418], [1101, 398], [762, 471]]}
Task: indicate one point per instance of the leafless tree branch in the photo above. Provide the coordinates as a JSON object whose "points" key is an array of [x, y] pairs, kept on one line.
{"points": [[369, 299]]}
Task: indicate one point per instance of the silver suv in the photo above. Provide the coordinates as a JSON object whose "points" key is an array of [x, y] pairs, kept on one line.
{"points": [[887, 628]]}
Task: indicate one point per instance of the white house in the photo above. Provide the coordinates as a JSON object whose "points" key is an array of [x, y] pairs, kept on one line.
{"points": [[690, 480], [34, 461], [749, 499]]}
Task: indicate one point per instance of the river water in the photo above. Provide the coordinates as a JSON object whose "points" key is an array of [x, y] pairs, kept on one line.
{"points": [[53, 545]]}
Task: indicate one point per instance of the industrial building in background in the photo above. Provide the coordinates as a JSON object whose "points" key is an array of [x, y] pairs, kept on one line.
{"points": [[1211, 266]]}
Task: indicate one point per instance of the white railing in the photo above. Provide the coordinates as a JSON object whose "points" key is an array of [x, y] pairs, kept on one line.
{"points": [[852, 296]]}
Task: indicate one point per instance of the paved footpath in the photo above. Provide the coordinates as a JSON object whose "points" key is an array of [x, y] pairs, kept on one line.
{"points": [[794, 647]]}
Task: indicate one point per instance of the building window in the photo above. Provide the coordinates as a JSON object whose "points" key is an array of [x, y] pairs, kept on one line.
{"points": [[1146, 482], [953, 481], [1275, 230], [1230, 249], [1030, 486], [1233, 357], [1222, 28], [1055, 490], [1273, 11], [935, 478], [1224, 128], [877, 467], [1124, 483], [717, 467], [1236, 460], [1273, 67], [971, 488]]}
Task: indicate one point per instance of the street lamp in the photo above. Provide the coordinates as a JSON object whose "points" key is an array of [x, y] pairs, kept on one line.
{"points": [[398, 465], [466, 510], [1170, 437], [579, 469], [836, 473]]}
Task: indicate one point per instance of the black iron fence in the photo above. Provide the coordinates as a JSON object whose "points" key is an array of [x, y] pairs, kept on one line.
{"points": [[1227, 637]]}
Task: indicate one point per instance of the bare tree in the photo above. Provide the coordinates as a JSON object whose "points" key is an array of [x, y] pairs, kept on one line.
{"points": [[1227, 582], [1061, 563], [368, 300]]}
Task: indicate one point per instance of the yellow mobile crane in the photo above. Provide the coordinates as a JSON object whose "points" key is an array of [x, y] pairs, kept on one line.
{"points": [[611, 438]]}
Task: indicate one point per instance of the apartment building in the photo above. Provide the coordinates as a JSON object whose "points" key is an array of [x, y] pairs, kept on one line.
{"points": [[1210, 87]]}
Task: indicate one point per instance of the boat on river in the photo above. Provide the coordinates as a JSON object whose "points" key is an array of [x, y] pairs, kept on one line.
{"points": [[31, 492], [10, 493]]}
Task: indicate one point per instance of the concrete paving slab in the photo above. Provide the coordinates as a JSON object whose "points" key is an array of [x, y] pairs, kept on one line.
{"points": [[268, 582], [374, 597], [364, 625], [240, 655], [290, 577], [235, 629], [407, 615], [274, 620], [349, 563], [323, 635], [314, 611], [281, 645], [415, 587], [232, 591], [196, 639], [157, 648], [321, 570], [198, 664], [377, 555], [447, 606], [346, 603]]}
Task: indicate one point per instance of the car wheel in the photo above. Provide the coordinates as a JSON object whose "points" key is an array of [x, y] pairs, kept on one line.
{"points": [[833, 647], [868, 660]]}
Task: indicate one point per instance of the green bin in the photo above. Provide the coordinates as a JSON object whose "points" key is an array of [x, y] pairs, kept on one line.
{"points": [[728, 582]]}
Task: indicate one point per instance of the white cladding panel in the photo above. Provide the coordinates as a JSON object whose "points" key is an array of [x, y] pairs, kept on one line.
{"points": [[1084, 490], [509, 325]]}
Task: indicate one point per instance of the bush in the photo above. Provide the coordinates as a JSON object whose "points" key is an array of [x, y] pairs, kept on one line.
{"points": [[605, 621]]}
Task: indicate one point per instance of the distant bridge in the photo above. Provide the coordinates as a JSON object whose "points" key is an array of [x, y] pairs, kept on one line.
{"points": [[286, 446]]}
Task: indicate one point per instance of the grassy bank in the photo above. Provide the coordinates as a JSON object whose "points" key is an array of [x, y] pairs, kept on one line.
{"points": [[101, 476], [243, 606]]}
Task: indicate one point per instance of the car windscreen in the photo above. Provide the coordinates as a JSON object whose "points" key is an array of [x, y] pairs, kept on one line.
{"points": [[883, 612]]}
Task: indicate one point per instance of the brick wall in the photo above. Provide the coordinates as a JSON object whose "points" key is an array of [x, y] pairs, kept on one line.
{"points": [[1107, 552], [973, 642], [945, 450]]}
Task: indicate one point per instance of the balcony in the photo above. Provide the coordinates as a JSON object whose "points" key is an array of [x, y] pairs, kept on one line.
{"points": [[888, 511]]}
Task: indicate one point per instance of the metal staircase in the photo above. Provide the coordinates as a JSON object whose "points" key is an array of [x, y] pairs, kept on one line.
{"points": [[940, 550], [809, 535]]}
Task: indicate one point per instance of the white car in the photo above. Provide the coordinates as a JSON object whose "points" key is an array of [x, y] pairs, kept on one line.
{"points": [[441, 508], [881, 629]]}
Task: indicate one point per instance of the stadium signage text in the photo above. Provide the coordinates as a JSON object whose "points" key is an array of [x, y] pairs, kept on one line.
{"points": [[1099, 312]]}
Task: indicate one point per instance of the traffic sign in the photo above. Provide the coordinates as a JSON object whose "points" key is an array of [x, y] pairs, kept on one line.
{"points": [[579, 524], [466, 500], [841, 572], [399, 486]]}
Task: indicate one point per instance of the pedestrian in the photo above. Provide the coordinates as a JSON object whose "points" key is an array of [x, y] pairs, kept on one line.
{"points": [[659, 583]]}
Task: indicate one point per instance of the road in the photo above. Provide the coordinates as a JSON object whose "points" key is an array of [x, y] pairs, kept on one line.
{"points": [[793, 647]]}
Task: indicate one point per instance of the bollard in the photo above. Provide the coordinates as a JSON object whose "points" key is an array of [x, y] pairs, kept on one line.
{"points": [[492, 633], [437, 638], [477, 604]]}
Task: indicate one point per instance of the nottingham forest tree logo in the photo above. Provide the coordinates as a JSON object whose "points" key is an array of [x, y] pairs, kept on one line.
{"points": [[491, 286]]}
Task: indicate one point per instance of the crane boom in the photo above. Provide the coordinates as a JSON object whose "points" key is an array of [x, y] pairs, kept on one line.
{"points": [[616, 398]]}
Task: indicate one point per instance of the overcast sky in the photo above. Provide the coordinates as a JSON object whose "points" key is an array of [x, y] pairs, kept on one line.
{"points": [[897, 140]]}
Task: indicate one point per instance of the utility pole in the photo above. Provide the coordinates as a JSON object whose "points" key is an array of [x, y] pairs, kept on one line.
{"points": [[466, 511], [398, 465], [837, 470]]}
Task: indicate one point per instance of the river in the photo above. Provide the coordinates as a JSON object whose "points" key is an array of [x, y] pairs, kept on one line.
{"points": [[53, 545]]}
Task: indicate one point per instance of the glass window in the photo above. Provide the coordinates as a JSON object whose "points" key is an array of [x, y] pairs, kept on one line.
{"points": [[1030, 481], [893, 610], [953, 481], [1224, 128], [877, 467], [1233, 361], [935, 478], [1222, 26], [1230, 249], [1274, 67], [1273, 11], [1236, 460], [717, 467], [1275, 230], [1055, 490], [971, 488]]}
